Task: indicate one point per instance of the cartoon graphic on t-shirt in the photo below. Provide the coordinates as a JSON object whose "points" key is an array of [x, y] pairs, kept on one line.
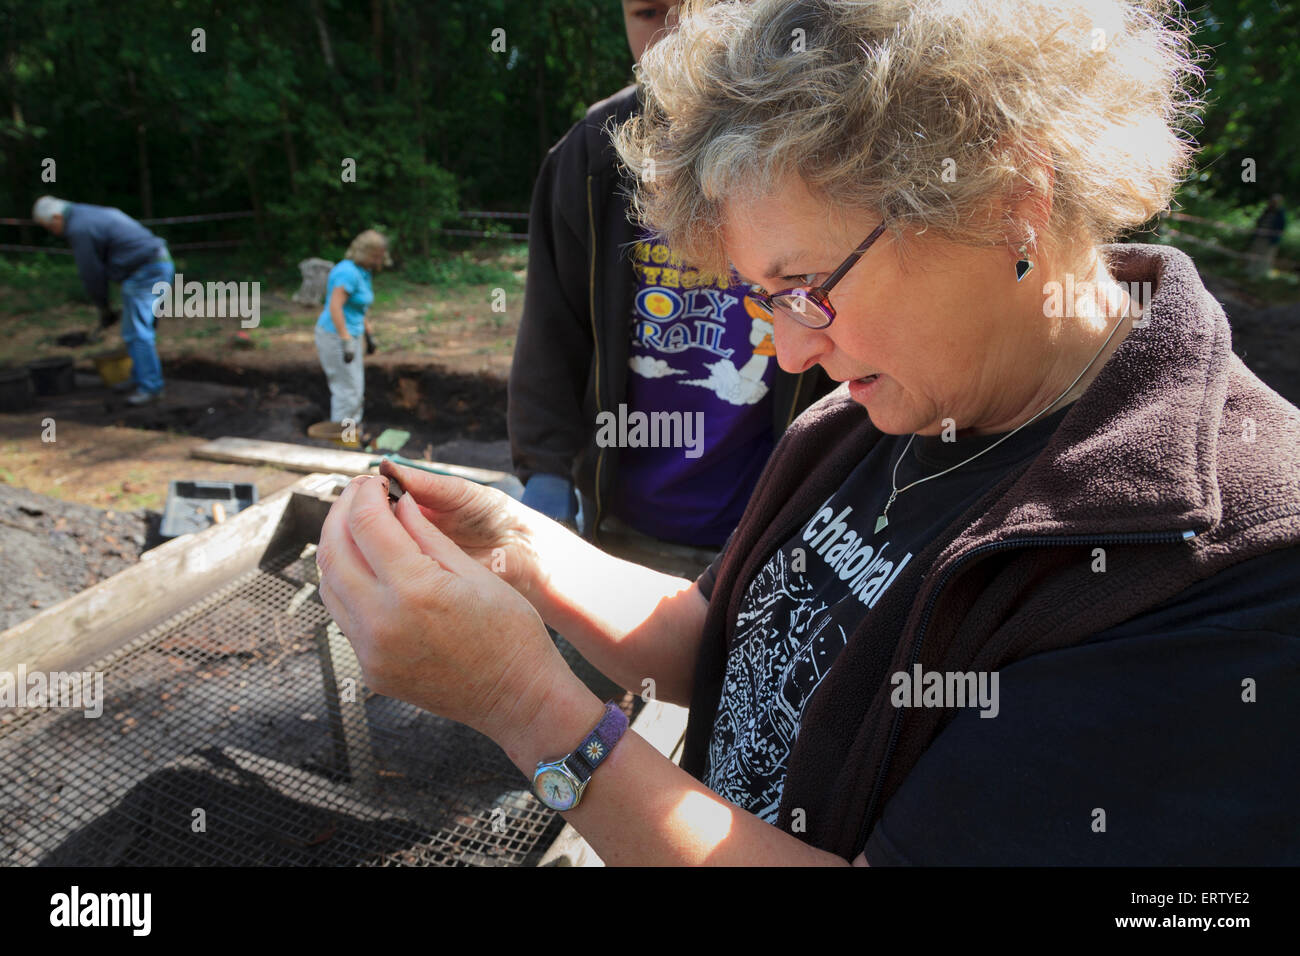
{"points": [[648, 367], [743, 386], [680, 310], [696, 353]]}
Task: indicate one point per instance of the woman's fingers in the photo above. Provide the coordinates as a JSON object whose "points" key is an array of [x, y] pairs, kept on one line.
{"points": [[381, 539], [429, 623], [438, 493], [337, 554], [343, 615], [342, 567], [431, 541], [458, 506]]}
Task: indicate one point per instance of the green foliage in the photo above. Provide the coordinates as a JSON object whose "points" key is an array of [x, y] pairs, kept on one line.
{"points": [[37, 282], [1230, 226], [1238, 222], [461, 269], [1251, 78], [435, 118], [391, 288], [42, 272]]}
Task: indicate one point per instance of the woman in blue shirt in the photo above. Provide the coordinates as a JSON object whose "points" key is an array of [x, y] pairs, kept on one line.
{"points": [[343, 322]]}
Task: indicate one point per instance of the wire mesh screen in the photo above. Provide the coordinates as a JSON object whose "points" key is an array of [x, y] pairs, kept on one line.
{"points": [[239, 732]]}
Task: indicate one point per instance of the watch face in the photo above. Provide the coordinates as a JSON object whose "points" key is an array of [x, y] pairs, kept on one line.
{"points": [[555, 789]]}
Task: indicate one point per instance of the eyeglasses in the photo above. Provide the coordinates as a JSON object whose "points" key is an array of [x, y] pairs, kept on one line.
{"points": [[812, 307]]}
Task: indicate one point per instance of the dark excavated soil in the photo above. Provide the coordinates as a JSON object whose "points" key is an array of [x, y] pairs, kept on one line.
{"points": [[51, 549]]}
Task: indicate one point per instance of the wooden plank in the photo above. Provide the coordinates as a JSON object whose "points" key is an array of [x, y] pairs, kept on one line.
{"points": [[616, 539], [663, 726], [309, 458]]}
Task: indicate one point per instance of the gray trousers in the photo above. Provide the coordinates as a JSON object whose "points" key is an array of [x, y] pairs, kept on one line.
{"points": [[347, 380]]}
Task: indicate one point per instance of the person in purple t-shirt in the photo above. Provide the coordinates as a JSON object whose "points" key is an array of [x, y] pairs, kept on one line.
{"points": [[644, 392], [701, 350]]}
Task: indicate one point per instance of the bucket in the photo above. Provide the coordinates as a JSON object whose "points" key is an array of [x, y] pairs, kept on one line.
{"points": [[16, 392], [51, 376], [113, 367], [333, 431]]}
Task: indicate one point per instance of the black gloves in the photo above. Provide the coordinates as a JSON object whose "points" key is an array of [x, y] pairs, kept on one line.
{"points": [[349, 350], [371, 348]]}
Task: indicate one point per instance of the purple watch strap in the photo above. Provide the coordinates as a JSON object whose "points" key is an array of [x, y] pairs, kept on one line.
{"points": [[597, 745]]}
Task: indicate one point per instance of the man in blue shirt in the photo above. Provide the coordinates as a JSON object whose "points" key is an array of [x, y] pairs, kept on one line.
{"points": [[110, 246]]}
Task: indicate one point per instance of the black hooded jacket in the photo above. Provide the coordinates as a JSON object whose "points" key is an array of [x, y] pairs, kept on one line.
{"points": [[572, 351]]}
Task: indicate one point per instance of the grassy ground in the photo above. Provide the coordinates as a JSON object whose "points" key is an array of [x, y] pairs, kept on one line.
{"points": [[438, 312], [440, 309]]}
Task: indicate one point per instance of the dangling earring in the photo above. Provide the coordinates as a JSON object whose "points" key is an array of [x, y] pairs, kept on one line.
{"points": [[1023, 264]]}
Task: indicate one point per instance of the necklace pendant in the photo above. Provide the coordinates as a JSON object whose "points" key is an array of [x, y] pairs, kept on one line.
{"points": [[880, 523]]}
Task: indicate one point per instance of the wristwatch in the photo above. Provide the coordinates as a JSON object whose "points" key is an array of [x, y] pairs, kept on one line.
{"points": [[559, 783]]}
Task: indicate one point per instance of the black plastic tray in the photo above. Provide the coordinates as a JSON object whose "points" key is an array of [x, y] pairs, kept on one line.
{"points": [[189, 504]]}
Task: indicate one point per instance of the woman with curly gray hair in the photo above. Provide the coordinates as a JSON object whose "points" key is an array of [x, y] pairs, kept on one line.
{"points": [[1009, 593]]}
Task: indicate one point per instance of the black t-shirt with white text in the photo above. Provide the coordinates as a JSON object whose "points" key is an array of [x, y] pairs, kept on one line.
{"points": [[816, 590]]}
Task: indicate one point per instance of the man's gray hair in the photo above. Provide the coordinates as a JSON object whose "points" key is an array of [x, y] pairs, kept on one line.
{"points": [[47, 207]]}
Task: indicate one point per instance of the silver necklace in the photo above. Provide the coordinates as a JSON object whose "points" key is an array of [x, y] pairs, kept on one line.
{"points": [[883, 520]]}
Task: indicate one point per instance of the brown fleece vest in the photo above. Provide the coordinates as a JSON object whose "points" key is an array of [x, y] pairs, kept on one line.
{"points": [[1177, 461]]}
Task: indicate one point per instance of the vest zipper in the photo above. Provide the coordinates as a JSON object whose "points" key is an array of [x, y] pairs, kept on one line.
{"points": [[595, 344], [1134, 537]]}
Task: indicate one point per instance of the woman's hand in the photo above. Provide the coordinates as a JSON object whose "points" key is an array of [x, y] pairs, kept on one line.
{"points": [[486, 524], [430, 624]]}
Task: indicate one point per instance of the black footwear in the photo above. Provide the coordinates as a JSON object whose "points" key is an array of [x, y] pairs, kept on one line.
{"points": [[122, 388]]}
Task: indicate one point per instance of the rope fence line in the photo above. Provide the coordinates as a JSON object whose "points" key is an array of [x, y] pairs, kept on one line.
{"points": [[248, 214], [164, 221], [1231, 227], [202, 217], [55, 251], [161, 221], [479, 214], [48, 250], [483, 235], [1209, 244], [1257, 258]]}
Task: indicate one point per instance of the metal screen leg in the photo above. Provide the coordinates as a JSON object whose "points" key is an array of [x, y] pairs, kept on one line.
{"points": [[346, 707]]}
